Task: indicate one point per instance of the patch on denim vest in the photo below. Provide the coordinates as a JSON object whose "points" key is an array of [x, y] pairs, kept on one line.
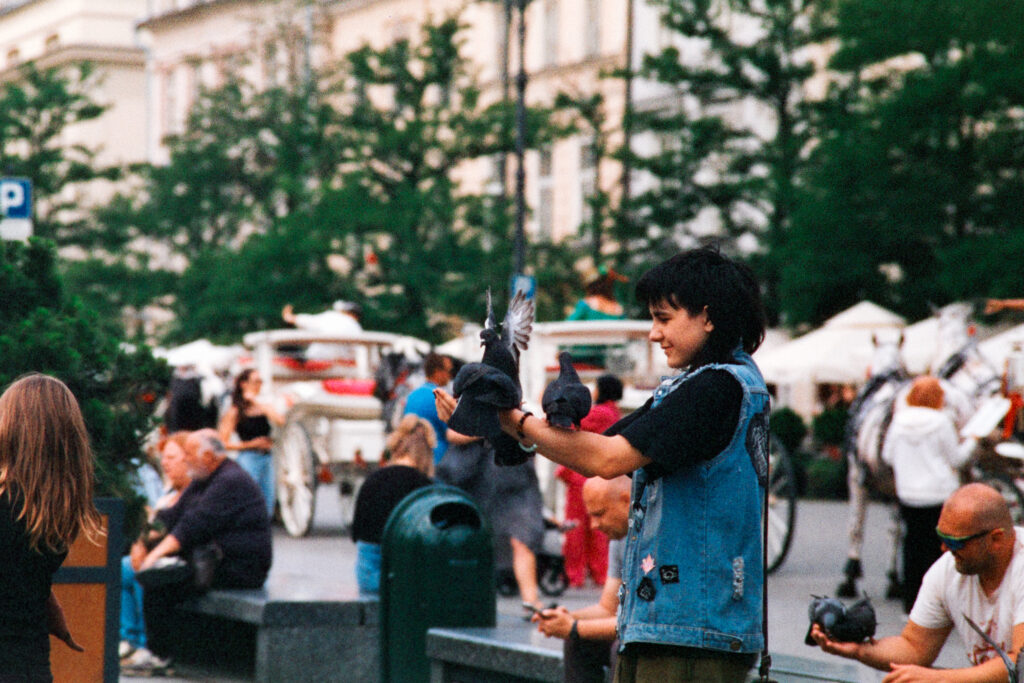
{"points": [[737, 578], [669, 573], [757, 445], [646, 591]]}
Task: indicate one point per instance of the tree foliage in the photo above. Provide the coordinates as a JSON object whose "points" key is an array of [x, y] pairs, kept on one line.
{"points": [[340, 186], [45, 329], [36, 108], [728, 125], [918, 188]]}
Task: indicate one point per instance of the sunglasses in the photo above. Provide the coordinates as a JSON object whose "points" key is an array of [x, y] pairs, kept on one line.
{"points": [[955, 543]]}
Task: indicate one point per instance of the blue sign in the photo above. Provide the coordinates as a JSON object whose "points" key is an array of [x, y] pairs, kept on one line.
{"points": [[15, 198], [527, 284]]}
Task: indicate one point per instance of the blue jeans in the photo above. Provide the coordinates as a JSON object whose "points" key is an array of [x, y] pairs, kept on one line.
{"points": [[368, 567], [133, 627], [260, 466]]}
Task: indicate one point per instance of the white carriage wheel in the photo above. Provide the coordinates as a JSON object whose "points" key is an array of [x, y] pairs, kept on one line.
{"points": [[296, 479]]}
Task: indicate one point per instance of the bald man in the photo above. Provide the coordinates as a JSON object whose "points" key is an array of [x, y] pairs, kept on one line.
{"points": [[981, 575], [590, 631]]}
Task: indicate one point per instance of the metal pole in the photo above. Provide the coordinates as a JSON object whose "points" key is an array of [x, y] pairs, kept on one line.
{"points": [[520, 240]]}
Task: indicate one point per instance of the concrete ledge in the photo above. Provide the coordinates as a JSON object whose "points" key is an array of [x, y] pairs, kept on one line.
{"points": [[297, 636], [513, 651], [516, 653]]}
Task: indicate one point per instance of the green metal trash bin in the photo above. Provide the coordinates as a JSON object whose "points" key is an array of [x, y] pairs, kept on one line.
{"points": [[437, 569]]}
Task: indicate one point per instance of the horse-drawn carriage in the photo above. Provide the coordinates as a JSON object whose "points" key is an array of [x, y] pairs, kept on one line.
{"points": [[334, 430]]}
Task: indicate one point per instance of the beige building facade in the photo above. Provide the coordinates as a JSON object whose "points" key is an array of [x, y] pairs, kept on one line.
{"points": [[56, 33], [155, 54]]}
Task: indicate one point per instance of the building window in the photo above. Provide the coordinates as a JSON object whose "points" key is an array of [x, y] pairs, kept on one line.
{"points": [[13, 57], [588, 181], [170, 108], [546, 194], [52, 42], [551, 32], [592, 28]]}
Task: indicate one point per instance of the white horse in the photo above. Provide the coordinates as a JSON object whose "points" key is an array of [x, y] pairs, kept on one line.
{"points": [[967, 379]]}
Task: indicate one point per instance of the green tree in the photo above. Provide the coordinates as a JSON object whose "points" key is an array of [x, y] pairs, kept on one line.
{"points": [[342, 185], [707, 155], [44, 329], [36, 108], [412, 116], [918, 189]]}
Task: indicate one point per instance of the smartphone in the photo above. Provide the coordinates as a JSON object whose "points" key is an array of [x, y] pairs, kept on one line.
{"points": [[530, 607]]}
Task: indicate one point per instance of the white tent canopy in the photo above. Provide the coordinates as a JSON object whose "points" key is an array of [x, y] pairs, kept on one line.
{"points": [[201, 354], [838, 352]]}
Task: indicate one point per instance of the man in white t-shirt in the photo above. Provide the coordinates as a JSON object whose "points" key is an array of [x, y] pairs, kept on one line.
{"points": [[981, 576]]}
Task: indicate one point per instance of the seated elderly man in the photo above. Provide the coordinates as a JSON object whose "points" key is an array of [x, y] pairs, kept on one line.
{"points": [[980, 577], [221, 514]]}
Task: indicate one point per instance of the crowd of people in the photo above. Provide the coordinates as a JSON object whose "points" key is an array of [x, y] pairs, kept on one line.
{"points": [[665, 502]]}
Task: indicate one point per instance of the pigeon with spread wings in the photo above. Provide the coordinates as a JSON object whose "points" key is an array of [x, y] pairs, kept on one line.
{"points": [[493, 384]]}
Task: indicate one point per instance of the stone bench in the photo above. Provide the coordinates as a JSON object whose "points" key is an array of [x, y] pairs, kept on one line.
{"points": [[514, 652], [296, 629]]}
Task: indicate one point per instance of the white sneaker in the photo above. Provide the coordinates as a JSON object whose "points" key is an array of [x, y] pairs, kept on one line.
{"points": [[124, 649], [144, 663]]}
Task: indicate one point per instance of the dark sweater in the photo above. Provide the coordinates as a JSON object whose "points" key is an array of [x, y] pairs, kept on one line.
{"points": [[26, 577], [226, 508], [380, 494]]}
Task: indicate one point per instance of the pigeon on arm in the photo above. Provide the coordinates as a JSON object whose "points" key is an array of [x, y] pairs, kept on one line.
{"points": [[566, 400], [493, 384]]}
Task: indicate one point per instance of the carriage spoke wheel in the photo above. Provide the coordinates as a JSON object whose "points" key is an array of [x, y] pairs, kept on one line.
{"points": [[781, 505], [296, 480]]}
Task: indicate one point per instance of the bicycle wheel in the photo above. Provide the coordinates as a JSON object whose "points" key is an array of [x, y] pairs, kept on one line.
{"points": [[781, 505]]}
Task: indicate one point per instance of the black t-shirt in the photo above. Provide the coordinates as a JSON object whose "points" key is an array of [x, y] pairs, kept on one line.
{"points": [[380, 494], [692, 424], [227, 508], [26, 577]]}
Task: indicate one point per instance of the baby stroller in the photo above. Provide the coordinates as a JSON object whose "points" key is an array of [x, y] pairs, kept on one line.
{"points": [[551, 577]]}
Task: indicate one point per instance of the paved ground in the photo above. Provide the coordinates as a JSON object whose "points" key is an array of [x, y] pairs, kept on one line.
{"points": [[812, 568]]}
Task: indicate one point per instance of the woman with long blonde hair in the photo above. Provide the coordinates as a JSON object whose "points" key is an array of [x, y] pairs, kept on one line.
{"points": [[46, 501]]}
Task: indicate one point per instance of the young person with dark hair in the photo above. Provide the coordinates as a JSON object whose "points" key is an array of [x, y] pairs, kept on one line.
{"points": [[697, 451]]}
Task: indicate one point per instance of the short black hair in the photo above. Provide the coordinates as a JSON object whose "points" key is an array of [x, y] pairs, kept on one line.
{"points": [[609, 388], [434, 362], [704, 278]]}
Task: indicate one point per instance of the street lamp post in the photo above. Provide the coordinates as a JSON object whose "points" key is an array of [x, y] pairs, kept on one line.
{"points": [[520, 238]]}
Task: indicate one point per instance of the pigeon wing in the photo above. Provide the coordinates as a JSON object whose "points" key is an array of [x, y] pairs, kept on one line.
{"points": [[518, 324]]}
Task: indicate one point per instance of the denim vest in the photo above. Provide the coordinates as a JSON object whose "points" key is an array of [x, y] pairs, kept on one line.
{"points": [[693, 574]]}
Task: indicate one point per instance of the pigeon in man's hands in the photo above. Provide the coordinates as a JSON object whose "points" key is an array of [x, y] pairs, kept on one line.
{"points": [[493, 384], [853, 624], [566, 400]]}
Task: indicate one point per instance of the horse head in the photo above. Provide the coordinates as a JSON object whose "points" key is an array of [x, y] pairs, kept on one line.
{"points": [[887, 356], [957, 359]]}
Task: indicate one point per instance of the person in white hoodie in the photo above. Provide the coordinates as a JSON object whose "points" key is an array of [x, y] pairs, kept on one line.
{"points": [[925, 453]]}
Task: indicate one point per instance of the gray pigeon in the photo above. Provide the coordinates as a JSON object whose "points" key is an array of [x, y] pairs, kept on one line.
{"points": [[853, 624], [493, 384], [1015, 671], [566, 400]]}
